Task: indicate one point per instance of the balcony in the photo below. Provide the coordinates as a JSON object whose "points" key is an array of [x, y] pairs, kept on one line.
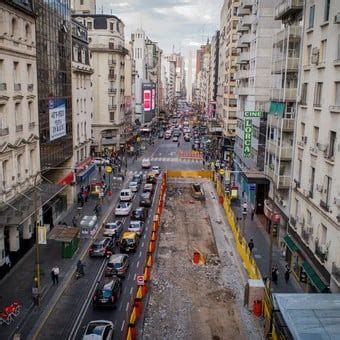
{"points": [[284, 94], [112, 107], [284, 182], [4, 131], [284, 152], [112, 76], [31, 125], [287, 7], [305, 234], [112, 62], [19, 128], [248, 20], [17, 87], [324, 205], [241, 12], [240, 44], [112, 90], [242, 74], [3, 86], [290, 33], [334, 109], [245, 91], [241, 28], [336, 271], [246, 38], [321, 251], [284, 124], [285, 65], [247, 3], [30, 87]]}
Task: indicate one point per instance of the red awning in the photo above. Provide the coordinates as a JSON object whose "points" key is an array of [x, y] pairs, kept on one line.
{"points": [[68, 179]]}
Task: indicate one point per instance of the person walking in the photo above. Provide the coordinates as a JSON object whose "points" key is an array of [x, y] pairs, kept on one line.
{"points": [[287, 273], [74, 221], [251, 245], [53, 276], [275, 272], [56, 274], [252, 214]]}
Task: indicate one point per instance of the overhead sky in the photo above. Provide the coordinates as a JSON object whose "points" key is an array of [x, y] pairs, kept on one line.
{"points": [[174, 24]]}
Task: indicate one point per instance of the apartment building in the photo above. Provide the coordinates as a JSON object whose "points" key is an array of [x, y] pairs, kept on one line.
{"points": [[314, 227], [226, 103], [19, 134], [281, 115], [214, 55], [256, 28], [82, 100], [106, 42]]}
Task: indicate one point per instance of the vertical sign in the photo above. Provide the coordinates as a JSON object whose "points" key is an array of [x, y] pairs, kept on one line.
{"points": [[57, 115], [147, 100], [248, 130]]}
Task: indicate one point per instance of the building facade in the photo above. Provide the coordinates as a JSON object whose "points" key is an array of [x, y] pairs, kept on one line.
{"points": [[315, 202], [82, 95], [19, 134], [226, 103], [106, 37], [256, 28], [83, 6]]}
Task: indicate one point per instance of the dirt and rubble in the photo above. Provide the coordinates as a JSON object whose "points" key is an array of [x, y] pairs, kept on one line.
{"points": [[190, 301]]}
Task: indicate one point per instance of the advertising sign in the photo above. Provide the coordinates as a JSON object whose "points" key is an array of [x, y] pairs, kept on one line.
{"points": [[149, 100], [57, 114], [248, 130]]}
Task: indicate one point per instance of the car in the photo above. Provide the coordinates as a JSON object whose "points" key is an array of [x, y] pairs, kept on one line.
{"points": [[145, 199], [156, 169], [167, 135], [148, 187], [113, 228], [107, 293], [140, 214], [99, 330], [134, 186], [137, 227], [186, 138], [126, 195], [123, 209], [146, 164], [175, 139], [117, 264], [129, 242], [101, 247], [101, 161], [160, 135], [151, 178], [137, 178]]}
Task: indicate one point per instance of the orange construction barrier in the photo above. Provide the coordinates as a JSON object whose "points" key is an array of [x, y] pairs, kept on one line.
{"points": [[221, 199], [139, 294], [196, 257], [158, 210], [257, 308], [147, 273], [149, 262], [154, 226], [144, 289], [153, 236], [139, 307], [133, 316], [152, 246], [132, 333]]}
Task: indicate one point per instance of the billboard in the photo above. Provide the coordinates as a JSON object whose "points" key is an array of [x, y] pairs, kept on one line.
{"points": [[248, 131], [149, 100], [57, 114]]}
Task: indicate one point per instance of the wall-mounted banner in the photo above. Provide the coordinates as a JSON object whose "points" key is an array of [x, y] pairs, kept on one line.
{"points": [[57, 113], [248, 130]]}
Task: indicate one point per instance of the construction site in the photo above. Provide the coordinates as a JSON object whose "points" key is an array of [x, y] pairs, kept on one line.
{"points": [[197, 281]]}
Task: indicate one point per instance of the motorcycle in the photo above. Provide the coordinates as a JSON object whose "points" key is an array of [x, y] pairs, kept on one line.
{"points": [[78, 274]]}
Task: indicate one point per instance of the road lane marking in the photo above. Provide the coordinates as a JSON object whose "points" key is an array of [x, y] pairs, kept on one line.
{"points": [[120, 305], [144, 236], [134, 277], [140, 254], [129, 276], [131, 290], [138, 264], [127, 306], [143, 244], [123, 324]]}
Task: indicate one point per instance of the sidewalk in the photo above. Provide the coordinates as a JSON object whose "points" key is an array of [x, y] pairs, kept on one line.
{"points": [[256, 230], [17, 284]]}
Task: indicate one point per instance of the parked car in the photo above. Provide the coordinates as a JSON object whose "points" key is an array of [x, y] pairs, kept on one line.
{"points": [[146, 163], [140, 214], [101, 247], [101, 161], [137, 227], [99, 330], [156, 169], [117, 264], [134, 186], [129, 242], [113, 228], [126, 195], [151, 178], [137, 178], [123, 209], [148, 187], [186, 138], [175, 139], [107, 293], [145, 199], [167, 134]]}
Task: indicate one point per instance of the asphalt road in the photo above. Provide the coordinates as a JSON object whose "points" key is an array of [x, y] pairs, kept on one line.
{"points": [[74, 309]]}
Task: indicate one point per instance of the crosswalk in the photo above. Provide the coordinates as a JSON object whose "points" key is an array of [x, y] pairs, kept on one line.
{"points": [[175, 159]]}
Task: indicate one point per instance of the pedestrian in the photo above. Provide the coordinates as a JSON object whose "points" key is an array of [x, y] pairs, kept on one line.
{"points": [[252, 214], [275, 272], [178, 144], [243, 194], [56, 274], [53, 276], [8, 261], [251, 245], [104, 176], [287, 273], [74, 221], [245, 206]]}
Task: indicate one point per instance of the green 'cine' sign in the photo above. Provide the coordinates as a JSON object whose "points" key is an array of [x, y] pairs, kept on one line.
{"points": [[248, 133], [253, 114]]}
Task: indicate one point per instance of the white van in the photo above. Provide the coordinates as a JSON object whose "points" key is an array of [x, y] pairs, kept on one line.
{"points": [[126, 195]]}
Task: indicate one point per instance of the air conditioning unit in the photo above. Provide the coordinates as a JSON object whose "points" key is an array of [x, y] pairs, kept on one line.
{"points": [[337, 19], [323, 248], [319, 187]]}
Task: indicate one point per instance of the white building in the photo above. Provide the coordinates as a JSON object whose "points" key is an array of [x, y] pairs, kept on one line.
{"points": [[106, 36], [82, 95], [19, 136], [83, 6], [315, 201]]}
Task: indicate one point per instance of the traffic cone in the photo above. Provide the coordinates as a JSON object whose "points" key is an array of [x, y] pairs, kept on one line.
{"points": [[149, 262], [133, 317]]}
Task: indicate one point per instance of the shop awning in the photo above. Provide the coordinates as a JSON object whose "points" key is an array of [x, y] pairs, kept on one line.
{"points": [[313, 277], [84, 174], [290, 243], [63, 233]]}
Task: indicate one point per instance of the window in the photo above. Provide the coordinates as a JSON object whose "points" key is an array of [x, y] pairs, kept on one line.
{"points": [[323, 48], [315, 134], [31, 163], [30, 112], [303, 129], [318, 94], [81, 2], [326, 12], [111, 26], [323, 237], [78, 131], [308, 57], [2, 76], [4, 173], [299, 170], [311, 16], [332, 139], [16, 72], [19, 165], [337, 93], [328, 186], [312, 180], [338, 49], [89, 25], [29, 74], [14, 27], [28, 32], [304, 92], [112, 116], [18, 115], [309, 217]]}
